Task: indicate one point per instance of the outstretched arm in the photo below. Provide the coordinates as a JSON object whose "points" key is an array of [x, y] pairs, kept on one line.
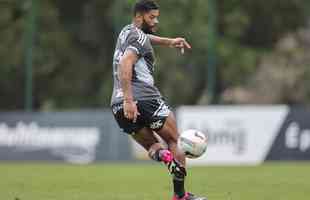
{"points": [[178, 42]]}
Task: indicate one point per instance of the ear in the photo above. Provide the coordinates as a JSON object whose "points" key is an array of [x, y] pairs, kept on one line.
{"points": [[139, 18]]}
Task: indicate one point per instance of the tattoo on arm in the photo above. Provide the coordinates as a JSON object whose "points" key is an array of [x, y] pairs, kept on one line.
{"points": [[125, 73]]}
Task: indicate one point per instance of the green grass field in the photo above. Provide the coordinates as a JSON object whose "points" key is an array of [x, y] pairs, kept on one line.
{"points": [[272, 181]]}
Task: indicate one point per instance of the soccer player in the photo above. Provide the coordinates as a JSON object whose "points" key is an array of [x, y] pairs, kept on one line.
{"points": [[137, 104]]}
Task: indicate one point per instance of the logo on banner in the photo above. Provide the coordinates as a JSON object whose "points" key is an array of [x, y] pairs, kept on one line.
{"points": [[297, 138], [73, 144], [231, 137], [293, 139], [236, 134]]}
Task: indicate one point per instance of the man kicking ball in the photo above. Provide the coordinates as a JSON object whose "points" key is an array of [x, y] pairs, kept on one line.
{"points": [[137, 104]]}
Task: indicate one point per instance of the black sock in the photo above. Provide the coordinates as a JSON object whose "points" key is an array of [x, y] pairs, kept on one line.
{"points": [[178, 173], [178, 182], [178, 186]]}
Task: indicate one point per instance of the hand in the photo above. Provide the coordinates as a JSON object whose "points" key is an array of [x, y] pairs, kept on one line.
{"points": [[130, 110], [180, 43]]}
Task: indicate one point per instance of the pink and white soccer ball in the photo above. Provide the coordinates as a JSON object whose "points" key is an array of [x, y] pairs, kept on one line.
{"points": [[193, 143]]}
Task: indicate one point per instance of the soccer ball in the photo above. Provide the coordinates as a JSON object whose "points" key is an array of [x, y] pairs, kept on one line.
{"points": [[192, 143]]}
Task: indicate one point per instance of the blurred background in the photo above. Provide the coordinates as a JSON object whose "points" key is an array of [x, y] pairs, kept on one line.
{"points": [[56, 64], [57, 55], [245, 83], [247, 56]]}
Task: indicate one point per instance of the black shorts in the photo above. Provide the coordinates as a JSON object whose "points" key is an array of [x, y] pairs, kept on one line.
{"points": [[153, 114]]}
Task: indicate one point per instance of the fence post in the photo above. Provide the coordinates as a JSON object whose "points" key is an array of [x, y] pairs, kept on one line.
{"points": [[212, 32], [31, 9]]}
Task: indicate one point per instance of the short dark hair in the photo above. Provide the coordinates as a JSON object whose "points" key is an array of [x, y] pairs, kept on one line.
{"points": [[143, 6]]}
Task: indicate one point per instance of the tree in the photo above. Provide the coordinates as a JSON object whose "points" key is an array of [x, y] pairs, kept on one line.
{"points": [[75, 42]]}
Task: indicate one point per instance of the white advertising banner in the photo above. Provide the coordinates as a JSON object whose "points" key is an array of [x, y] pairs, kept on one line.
{"points": [[237, 135]]}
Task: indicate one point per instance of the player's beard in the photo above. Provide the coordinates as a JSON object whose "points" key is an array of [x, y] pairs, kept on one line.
{"points": [[147, 29]]}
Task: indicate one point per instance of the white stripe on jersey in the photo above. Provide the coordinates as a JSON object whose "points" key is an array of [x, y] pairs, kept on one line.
{"points": [[142, 38], [133, 48]]}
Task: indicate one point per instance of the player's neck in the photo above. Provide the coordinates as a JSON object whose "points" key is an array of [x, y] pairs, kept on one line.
{"points": [[137, 24]]}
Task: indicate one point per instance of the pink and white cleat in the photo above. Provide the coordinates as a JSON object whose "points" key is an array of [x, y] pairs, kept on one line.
{"points": [[166, 156], [189, 196]]}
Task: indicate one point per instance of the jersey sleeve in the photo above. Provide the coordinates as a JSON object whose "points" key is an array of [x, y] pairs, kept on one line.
{"points": [[136, 42]]}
